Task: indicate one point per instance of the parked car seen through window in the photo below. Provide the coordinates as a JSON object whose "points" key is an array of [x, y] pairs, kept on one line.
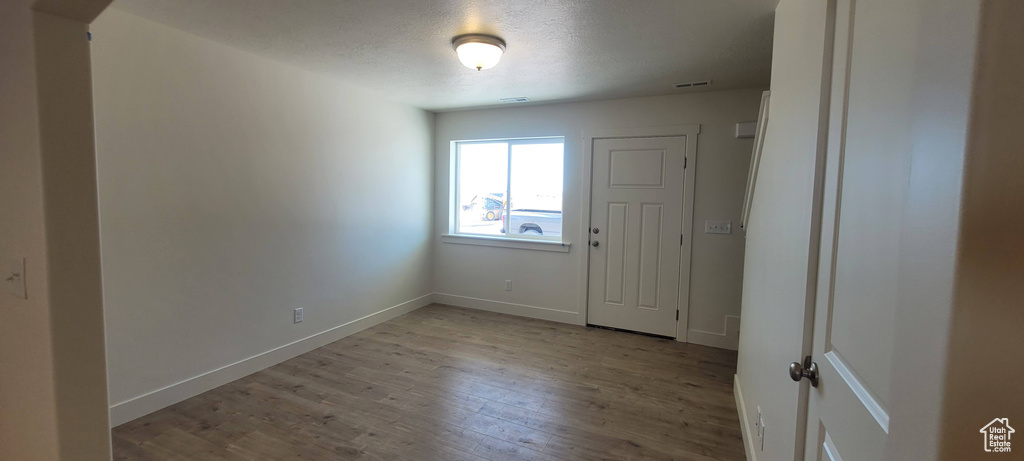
{"points": [[510, 188]]}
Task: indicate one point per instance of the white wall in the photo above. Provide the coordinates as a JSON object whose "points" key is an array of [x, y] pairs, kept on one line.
{"points": [[234, 189], [52, 379], [779, 238], [28, 426], [944, 62], [985, 371], [547, 284]]}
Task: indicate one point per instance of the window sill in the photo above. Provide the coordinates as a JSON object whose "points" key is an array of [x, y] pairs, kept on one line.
{"points": [[504, 242]]}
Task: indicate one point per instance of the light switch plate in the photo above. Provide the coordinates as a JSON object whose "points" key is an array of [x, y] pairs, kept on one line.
{"points": [[717, 227], [14, 277]]}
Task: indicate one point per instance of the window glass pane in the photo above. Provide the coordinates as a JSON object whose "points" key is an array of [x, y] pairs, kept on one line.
{"points": [[483, 180], [536, 207]]}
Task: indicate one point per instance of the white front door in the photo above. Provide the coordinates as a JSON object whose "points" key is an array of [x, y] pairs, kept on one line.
{"points": [[866, 173], [636, 233]]}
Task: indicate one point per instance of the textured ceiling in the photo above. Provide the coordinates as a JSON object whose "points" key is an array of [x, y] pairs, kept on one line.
{"points": [[557, 49]]}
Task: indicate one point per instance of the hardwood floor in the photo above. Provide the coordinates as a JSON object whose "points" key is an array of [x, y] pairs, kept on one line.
{"points": [[445, 383]]}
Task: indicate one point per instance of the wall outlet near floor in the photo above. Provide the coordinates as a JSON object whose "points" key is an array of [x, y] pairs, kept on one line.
{"points": [[508, 285], [717, 227], [762, 434], [298, 315], [759, 426]]}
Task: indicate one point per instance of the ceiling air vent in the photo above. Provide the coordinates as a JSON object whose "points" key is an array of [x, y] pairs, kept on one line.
{"points": [[514, 100], [693, 84]]}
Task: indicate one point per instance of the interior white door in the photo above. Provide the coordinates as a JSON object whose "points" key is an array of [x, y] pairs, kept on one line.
{"points": [[867, 166], [636, 233]]}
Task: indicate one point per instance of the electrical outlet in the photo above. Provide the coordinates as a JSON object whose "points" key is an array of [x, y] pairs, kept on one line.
{"points": [[759, 428], [762, 434], [717, 227], [508, 285], [757, 423], [298, 315]]}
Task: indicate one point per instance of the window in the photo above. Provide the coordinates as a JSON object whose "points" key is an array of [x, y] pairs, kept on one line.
{"points": [[509, 188]]}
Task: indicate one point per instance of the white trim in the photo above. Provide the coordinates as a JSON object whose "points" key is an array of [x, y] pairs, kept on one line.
{"points": [[690, 176], [830, 450], [863, 394], [729, 338], [520, 140], [741, 408], [505, 242], [502, 307], [144, 404], [755, 158], [686, 252]]}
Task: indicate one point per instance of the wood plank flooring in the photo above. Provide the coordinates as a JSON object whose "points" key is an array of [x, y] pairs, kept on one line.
{"points": [[445, 383]]}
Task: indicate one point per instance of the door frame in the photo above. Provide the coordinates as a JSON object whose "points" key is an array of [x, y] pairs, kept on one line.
{"points": [[690, 132]]}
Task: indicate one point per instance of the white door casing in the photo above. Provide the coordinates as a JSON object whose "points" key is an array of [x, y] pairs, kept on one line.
{"points": [[866, 171], [637, 222]]}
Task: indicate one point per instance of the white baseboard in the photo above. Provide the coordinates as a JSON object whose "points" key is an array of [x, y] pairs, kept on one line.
{"points": [[741, 407], [521, 310], [728, 339], [136, 407]]}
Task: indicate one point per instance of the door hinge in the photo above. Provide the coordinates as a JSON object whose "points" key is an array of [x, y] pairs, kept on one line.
{"points": [[684, 162], [681, 237], [677, 316]]}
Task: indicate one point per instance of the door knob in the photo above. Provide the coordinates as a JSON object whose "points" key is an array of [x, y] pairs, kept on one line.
{"points": [[808, 369], [594, 243]]}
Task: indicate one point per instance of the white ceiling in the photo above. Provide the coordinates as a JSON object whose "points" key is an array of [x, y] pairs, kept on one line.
{"points": [[557, 49]]}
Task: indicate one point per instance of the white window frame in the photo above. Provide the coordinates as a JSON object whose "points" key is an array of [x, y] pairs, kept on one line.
{"points": [[507, 240]]}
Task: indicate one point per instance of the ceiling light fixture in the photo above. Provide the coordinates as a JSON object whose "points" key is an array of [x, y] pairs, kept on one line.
{"points": [[477, 51]]}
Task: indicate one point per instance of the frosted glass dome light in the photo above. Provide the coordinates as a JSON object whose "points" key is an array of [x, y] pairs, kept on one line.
{"points": [[478, 51]]}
